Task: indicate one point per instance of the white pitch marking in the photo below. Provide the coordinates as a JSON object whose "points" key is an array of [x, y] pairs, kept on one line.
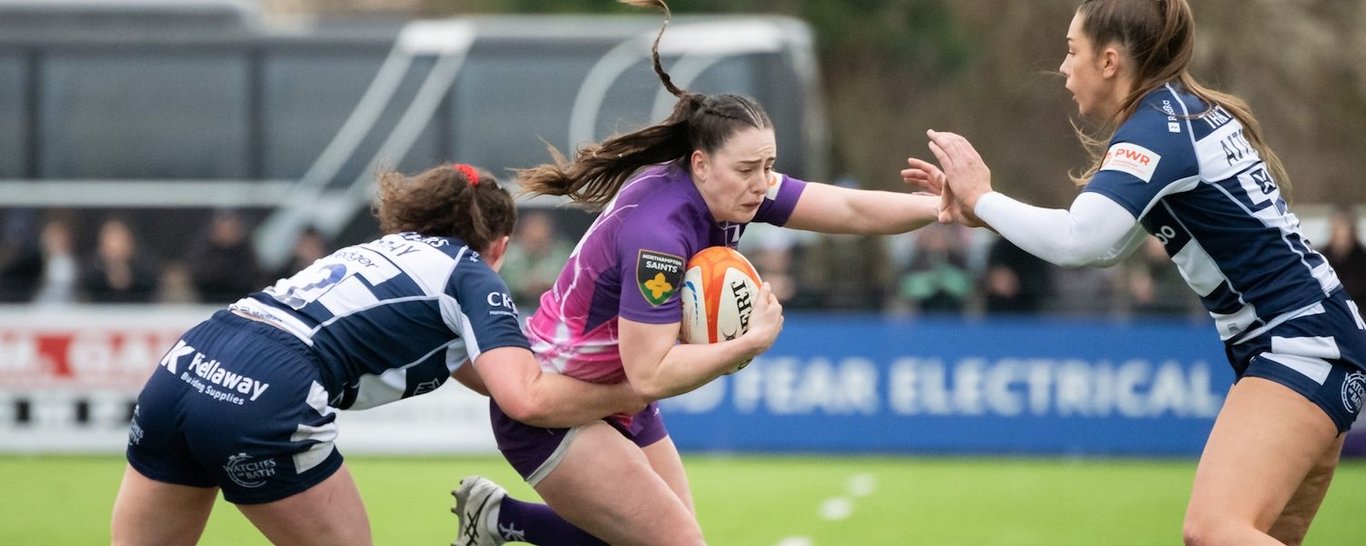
{"points": [[837, 508], [862, 485]]}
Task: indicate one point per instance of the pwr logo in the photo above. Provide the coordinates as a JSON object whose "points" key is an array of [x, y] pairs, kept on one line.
{"points": [[1127, 157]]}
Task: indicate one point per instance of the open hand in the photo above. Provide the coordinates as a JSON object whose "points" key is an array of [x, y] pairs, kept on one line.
{"points": [[963, 169]]}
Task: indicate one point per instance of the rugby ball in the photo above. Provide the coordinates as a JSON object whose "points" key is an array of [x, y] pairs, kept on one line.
{"points": [[720, 288]]}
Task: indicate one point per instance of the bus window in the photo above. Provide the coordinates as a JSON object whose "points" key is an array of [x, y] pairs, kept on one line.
{"points": [[144, 115], [13, 105], [307, 96]]}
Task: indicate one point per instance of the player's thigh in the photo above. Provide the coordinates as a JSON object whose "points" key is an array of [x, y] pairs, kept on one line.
{"points": [[664, 459], [1265, 440], [150, 512], [330, 513], [605, 485], [1293, 524]]}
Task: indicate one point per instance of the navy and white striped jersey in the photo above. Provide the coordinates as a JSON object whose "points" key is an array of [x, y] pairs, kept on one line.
{"points": [[1188, 173], [392, 318]]}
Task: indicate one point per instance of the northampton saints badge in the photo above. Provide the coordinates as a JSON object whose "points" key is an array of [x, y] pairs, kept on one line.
{"points": [[658, 275]]}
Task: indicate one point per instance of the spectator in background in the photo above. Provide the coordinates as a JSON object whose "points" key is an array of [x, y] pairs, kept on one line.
{"points": [[1015, 281], [534, 258], [1354, 445], [774, 251], [1348, 258], [224, 267], [175, 286], [938, 279], [61, 269], [1345, 252], [1084, 291], [847, 272], [1155, 285], [308, 248], [117, 273], [21, 264]]}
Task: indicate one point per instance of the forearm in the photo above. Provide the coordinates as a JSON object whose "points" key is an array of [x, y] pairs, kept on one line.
{"points": [[562, 402], [686, 367], [890, 213], [1095, 231], [831, 209], [528, 394]]}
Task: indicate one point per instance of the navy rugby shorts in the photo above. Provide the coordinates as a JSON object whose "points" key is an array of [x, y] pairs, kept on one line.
{"points": [[235, 404], [535, 451], [1320, 354]]}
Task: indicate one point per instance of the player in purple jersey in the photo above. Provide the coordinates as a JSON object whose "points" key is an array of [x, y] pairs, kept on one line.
{"points": [[246, 401], [1189, 165], [665, 192]]}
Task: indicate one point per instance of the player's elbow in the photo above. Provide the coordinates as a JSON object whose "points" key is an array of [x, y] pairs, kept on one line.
{"points": [[528, 410], [1073, 256], [647, 389]]}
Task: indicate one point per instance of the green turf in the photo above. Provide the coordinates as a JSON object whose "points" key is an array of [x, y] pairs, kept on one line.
{"points": [[740, 500]]}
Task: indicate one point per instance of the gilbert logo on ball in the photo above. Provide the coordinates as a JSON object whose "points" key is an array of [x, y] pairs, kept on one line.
{"points": [[719, 291]]}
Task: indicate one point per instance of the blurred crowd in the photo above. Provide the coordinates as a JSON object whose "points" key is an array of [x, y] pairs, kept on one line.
{"points": [[940, 270], [64, 258]]}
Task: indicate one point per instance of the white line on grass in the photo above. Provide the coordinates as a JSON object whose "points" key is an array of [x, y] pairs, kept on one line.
{"points": [[862, 485], [839, 507]]}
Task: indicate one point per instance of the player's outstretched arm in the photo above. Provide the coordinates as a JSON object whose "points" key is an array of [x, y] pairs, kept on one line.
{"points": [[827, 208], [1095, 231], [526, 394]]}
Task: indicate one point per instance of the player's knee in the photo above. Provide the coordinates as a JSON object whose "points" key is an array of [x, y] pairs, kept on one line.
{"points": [[1197, 534], [1210, 531]]}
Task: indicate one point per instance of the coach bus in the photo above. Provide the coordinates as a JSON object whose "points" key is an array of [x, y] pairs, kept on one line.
{"points": [[166, 110]]}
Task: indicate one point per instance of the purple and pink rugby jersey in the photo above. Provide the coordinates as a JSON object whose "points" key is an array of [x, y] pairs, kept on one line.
{"points": [[630, 264]]}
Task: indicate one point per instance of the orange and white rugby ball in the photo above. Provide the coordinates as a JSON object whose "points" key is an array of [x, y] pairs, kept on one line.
{"points": [[720, 288]]}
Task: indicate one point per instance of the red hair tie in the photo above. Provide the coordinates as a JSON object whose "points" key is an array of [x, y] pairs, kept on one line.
{"points": [[471, 175]]}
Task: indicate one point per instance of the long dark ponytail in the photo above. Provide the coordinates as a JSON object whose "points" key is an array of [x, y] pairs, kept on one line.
{"points": [[698, 122]]}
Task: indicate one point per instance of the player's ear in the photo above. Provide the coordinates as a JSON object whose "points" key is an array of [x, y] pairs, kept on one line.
{"points": [[497, 249], [1110, 59], [700, 165]]}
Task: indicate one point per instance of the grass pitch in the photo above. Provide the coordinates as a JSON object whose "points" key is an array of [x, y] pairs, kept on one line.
{"points": [[743, 500]]}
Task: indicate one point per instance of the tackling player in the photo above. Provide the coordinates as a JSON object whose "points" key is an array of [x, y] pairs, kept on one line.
{"points": [[245, 402]]}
